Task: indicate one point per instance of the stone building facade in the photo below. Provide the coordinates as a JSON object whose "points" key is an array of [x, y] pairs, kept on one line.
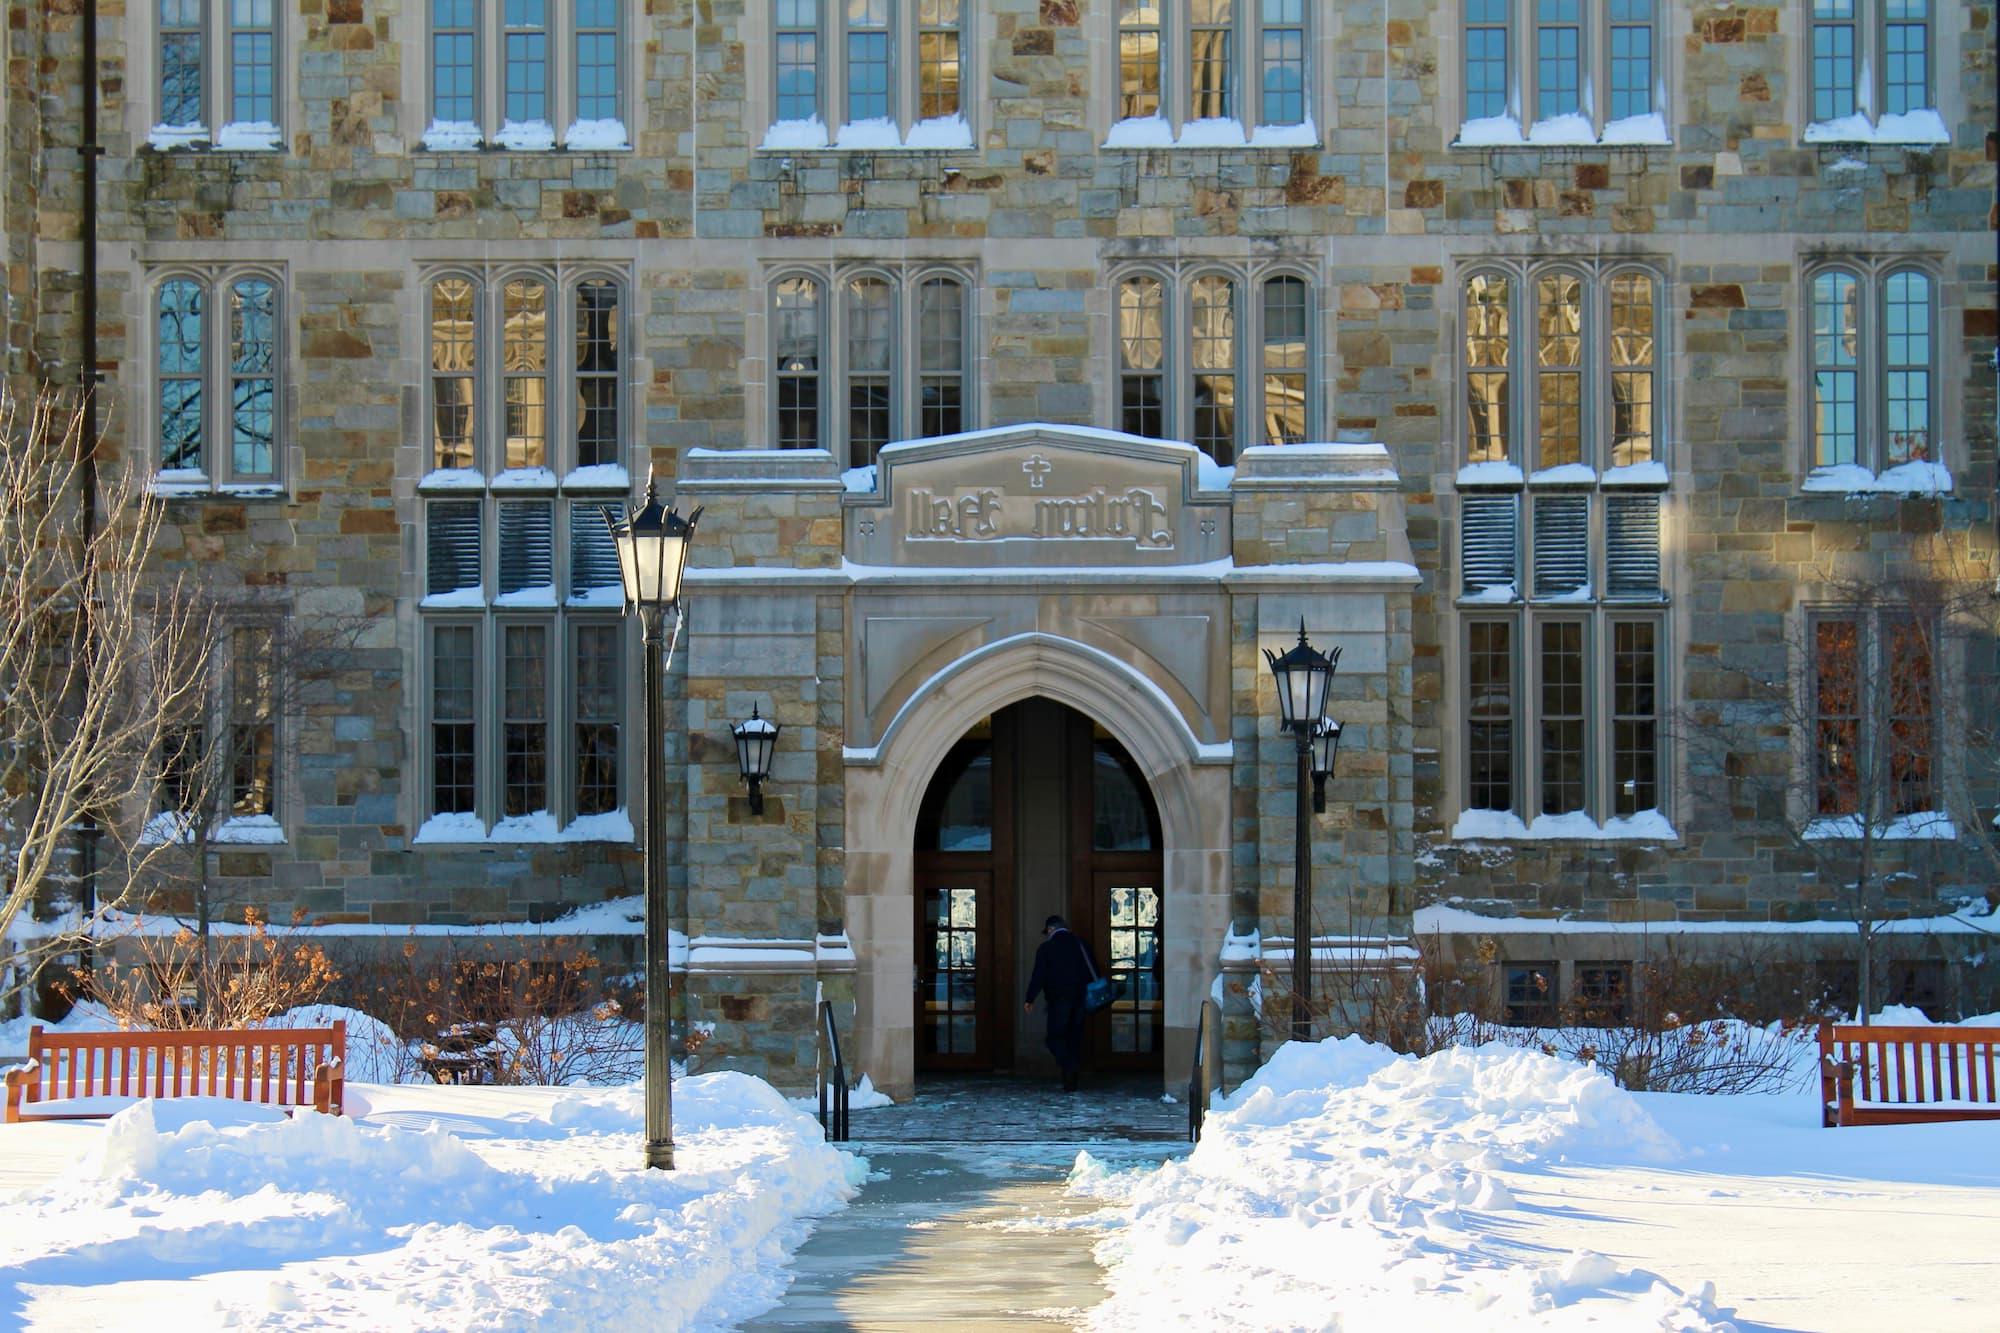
{"points": [[1565, 372]]}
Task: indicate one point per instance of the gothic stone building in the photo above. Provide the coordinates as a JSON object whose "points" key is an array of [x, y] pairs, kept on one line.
{"points": [[1037, 363]]}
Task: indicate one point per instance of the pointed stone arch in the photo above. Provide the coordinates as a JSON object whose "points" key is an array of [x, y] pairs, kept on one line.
{"points": [[885, 786]]}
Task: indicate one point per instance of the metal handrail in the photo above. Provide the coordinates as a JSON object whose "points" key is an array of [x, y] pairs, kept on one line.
{"points": [[833, 1109], [1200, 1088]]}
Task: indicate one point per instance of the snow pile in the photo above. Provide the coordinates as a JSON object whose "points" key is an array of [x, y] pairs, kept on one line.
{"points": [[1349, 1187], [208, 1214]]}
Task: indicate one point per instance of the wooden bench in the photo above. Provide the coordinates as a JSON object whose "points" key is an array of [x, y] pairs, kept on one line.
{"points": [[1907, 1075], [90, 1075]]}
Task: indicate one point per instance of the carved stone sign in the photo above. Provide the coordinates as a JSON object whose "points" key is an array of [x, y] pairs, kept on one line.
{"points": [[1040, 495]]}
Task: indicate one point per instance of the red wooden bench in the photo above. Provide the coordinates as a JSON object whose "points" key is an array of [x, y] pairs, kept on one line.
{"points": [[90, 1075], [1907, 1075]]}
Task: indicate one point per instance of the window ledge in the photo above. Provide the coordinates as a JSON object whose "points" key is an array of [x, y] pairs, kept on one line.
{"points": [[1149, 133], [1506, 826], [1903, 479], [168, 828], [941, 134], [462, 830], [185, 486], [1635, 474], [598, 477], [1922, 128], [1568, 131], [1489, 474], [1927, 826]]}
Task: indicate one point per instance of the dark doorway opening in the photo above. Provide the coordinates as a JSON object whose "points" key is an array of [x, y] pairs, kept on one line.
{"points": [[1035, 810]]}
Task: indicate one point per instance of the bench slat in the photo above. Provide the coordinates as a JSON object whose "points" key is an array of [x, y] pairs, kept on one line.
{"points": [[290, 1067]]}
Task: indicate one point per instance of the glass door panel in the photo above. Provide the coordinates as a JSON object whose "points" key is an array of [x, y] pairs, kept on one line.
{"points": [[954, 967], [1130, 935]]}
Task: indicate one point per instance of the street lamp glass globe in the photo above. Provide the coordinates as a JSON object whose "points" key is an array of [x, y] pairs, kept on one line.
{"points": [[1304, 676], [755, 739], [652, 552]]}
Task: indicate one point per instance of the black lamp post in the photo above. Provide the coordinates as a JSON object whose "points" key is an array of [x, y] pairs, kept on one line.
{"points": [[755, 740], [1305, 679], [652, 552]]}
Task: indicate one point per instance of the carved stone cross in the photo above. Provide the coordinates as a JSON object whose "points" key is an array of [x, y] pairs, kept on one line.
{"points": [[1038, 469]]}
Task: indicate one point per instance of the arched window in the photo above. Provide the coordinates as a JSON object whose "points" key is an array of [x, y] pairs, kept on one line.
{"points": [[1285, 351], [869, 319], [1906, 367], [941, 354], [1142, 356], [1213, 386], [454, 373], [597, 372], [1836, 351], [1488, 362], [183, 436], [957, 813], [524, 366], [797, 318], [1634, 355], [1558, 369], [253, 368]]}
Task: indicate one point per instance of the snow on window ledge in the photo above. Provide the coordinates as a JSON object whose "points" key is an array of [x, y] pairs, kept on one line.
{"points": [[166, 827], [1925, 826], [452, 136], [1635, 474], [458, 599], [1573, 130], [539, 827], [1209, 132], [598, 477], [524, 479], [1506, 826], [452, 479], [172, 481], [1922, 126], [1567, 474], [166, 138], [1903, 479], [257, 830], [939, 134], [254, 136], [1500, 594], [1489, 474], [526, 136], [597, 136]]}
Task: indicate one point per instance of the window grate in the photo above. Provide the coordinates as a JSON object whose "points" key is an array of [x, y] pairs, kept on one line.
{"points": [[452, 537], [527, 546], [1562, 545], [1490, 537], [1632, 546], [593, 556]]}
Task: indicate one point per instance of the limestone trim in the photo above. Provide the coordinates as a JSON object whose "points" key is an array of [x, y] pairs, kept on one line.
{"points": [[1191, 789]]}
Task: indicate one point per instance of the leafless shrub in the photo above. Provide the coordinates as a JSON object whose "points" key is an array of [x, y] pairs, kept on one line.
{"points": [[171, 983]]}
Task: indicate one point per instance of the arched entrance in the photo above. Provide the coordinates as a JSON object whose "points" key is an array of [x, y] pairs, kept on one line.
{"points": [[1035, 810], [1188, 779]]}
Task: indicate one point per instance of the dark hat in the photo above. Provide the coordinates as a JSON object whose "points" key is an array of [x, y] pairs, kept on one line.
{"points": [[1053, 922]]}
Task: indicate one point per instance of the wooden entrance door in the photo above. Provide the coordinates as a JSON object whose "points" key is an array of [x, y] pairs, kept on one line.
{"points": [[1115, 834], [956, 967]]}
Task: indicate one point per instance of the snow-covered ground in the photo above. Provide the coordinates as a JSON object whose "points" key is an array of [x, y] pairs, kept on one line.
{"points": [[1347, 1187], [427, 1207]]}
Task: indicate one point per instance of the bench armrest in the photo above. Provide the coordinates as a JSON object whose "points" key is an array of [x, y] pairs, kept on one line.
{"points": [[21, 1079]]}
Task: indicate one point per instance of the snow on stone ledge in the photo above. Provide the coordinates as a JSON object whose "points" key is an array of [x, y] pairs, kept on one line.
{"points": [[940, 132], [526, 136], [875, 133], [254, 136], [1567, 474], [1489, 474], [1305, 134], [1571, 129], [1211, 132], [795, 134], [1500, 594], [251, 830], [539, 827], [1648, 130], [1506, 826], [452, 479], [166, 138], [1635, 474], [598, 477], [1922, 126], [451, 136], [1140, 132], [597, 136], [1903, 479], [859, 480], [524, 479], [1925, 826], [1490, 132]]}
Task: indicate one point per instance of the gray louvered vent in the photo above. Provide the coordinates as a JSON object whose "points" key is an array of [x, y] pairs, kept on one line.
{"points": [[1562, 544], [527, 546], [593, 559], [1632, 546], [451, 545], [1489, 524]]}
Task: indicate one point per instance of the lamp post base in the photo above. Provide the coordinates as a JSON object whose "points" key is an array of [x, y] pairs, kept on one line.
{"points": [[660, 1154]]}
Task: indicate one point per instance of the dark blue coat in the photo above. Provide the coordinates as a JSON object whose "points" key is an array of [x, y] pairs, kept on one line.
{"points": [[1064, 965]]}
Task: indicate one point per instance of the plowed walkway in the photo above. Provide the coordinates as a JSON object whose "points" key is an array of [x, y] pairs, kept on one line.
{"points": [[967, 1224]]}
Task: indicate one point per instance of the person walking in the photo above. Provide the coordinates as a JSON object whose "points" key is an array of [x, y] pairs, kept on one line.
{"points": [[1064, 967]]}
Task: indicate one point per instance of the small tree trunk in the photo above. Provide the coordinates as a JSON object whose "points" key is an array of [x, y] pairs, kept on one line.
{"points": [[204, 910], [1864, 924]]}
